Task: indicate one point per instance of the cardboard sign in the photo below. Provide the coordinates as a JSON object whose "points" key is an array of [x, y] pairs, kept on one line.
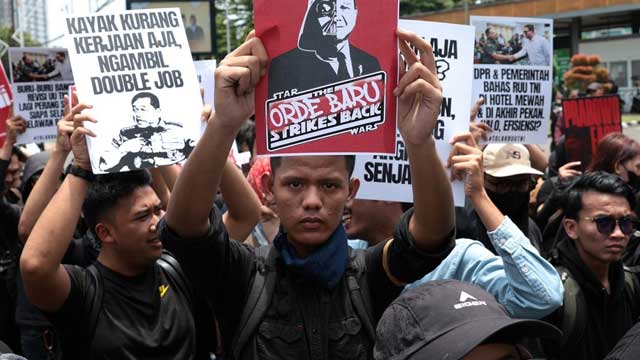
{"points": [[40, 79], [513, 72], [329, 85], [587, 121], [388, 177], [130, 66]]}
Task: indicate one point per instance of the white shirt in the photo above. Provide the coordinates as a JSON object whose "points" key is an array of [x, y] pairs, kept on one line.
{"points": [[346, 50], [63, 69], [537, 49]]}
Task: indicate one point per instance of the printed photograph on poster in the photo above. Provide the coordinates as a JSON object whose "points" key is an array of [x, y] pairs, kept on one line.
{"points": [[6, 97], [587, 121], [146, 99], [40, 77], [332, 70], [510, 42], [198, 18], [384, 177], [39, 64], [514, 75]]}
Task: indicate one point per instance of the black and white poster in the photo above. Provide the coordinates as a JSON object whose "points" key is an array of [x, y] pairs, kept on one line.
{"points": [[40, 78], [130, 66], [513, 72]]}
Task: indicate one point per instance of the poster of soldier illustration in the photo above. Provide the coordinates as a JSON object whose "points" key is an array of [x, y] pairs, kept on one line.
{"points": [[40, 78], [329, 85], [146, 99], [513, 72]]}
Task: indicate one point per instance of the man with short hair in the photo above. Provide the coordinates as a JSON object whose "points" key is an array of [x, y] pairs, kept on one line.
{"points": [[308, 296], [535, 47], [601, 298], [151, 142], [491, 47]]}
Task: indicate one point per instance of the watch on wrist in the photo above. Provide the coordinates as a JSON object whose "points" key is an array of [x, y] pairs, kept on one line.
{"points": [[81, 173]]}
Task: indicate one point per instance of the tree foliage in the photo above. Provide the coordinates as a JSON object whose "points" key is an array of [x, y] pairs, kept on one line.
{"points": [[240, 23], [409, 7]]}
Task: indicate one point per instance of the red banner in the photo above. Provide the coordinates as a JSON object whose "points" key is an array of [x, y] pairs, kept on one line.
{"points": [[587, 120], [333, 67]]}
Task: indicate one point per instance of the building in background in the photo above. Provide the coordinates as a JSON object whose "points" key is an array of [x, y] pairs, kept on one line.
{"points": [[32, 17], [6, 12], [609, 28], [59, 9]]}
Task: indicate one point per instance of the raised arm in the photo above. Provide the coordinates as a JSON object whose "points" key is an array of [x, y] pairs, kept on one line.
{"points": [[46, 281], [242, 202], [49, 181], [419, 100], [539, 160], [195, 189]]}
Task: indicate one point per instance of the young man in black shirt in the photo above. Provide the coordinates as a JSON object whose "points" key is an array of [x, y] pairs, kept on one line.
{"points": [[310, 314]]}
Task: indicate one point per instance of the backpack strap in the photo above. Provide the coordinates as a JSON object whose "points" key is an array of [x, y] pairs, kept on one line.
{"points": [[572, 310], [171, 266], [359, 290], [632, 287], [258, 298], [95, 294]]}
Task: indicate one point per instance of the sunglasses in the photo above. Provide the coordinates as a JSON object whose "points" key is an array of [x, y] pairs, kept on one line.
{"points": [[606, 224]]}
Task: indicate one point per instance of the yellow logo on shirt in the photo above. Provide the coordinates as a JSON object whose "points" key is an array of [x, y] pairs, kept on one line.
{"points": [[163, 289]]}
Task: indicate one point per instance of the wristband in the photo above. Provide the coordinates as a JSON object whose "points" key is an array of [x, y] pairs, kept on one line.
{"points": [[81, 173]]}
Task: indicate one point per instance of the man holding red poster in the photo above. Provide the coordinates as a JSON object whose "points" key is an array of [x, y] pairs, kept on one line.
{"points": [[324, 85]]}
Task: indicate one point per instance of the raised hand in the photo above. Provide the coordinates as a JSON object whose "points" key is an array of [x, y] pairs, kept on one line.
{"points": [[419, 92], [235, 81], [65, 125], [465, 161], [78, 138], [15, 125]]}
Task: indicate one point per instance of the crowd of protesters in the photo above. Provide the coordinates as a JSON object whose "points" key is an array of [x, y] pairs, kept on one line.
{"points": [[280, 260]]}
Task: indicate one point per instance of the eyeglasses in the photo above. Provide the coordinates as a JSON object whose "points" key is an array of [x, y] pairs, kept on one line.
{"points": [[606, 224], [502, 185]]}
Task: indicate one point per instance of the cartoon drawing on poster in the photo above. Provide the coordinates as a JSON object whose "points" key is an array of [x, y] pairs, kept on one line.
{"points": [[587, 121], [324, 91], [146, 99], [388, 177], [513, 73], [40, 78]]}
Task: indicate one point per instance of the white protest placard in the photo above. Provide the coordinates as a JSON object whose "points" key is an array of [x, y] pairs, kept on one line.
{"points": [[514, 74], [387, 177], [205, 70], [40, 78], [130, 66]]}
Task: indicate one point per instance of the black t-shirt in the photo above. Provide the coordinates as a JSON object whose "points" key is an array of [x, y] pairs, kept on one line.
{"points": [[142, 317]]}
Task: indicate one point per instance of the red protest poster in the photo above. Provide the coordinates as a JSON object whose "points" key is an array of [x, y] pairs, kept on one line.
{"points": [[587, 120], [5, 89], [333, 67], [4, 114]]}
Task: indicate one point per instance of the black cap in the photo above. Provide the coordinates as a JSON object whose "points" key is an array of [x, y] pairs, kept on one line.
{"points": [[447, 320]]}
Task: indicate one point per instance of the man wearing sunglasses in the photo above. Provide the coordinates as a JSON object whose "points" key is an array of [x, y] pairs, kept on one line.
{"points": [[601, 300], [508, 181]]}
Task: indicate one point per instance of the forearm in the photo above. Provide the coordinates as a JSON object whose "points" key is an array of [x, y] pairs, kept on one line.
{"points": [[42, 193], [53, 232], [434, 217], [170, 174], [539, 160], [159, 186], [487, 211], [196, 187], [242, 202]]}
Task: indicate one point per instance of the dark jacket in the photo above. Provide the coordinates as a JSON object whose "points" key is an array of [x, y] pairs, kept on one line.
{"points": [[609, 315], [628, 348]]}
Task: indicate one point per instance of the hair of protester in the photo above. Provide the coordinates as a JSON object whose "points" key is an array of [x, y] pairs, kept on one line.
{"points": [[350, 160], [599, 182], [530, 27], [154, 99], [107, 190], [246, 134], [614, 149], [487, 31]]}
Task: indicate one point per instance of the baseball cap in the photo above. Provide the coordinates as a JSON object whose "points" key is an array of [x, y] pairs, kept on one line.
{"points": [[594, 86], [502, 160], [447, 319]]}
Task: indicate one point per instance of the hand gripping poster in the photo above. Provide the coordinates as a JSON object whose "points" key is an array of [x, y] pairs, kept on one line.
{"points": [[130, 66], [333, 67], [388, 178], [513, 72], [40, 79]]}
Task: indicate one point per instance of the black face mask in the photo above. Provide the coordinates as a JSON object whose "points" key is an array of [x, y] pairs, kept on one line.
{"points": [[634, 181], [515, 205]]}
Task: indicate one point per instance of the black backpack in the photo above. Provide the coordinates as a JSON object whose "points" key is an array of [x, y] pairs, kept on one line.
{"points": [[263, 286]]}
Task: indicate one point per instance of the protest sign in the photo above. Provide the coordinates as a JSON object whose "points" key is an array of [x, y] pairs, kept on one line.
{"points": [[4, 114], [5, 89], [205, 70], [40, 78], [513, 73], [130, 66], [329, 85], [388, 178], [587, 121]]}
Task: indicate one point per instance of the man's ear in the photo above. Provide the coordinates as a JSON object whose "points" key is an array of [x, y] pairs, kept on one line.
{"points": [[571, 228], [354, 185], [618, 168], [266, 179], [105, 232]]}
